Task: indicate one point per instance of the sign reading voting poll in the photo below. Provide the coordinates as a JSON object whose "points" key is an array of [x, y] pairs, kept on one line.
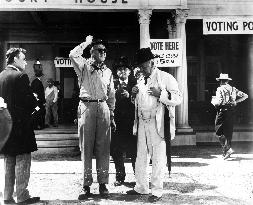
{"points": [[168, 50], [228, 26]]}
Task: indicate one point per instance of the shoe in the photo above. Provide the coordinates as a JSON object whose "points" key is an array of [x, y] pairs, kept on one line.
{"points": [[85, 193], [103, 191], [229, 152], [31, 200], [118, 183], [133, 192], [10, 201], [154, 198]]}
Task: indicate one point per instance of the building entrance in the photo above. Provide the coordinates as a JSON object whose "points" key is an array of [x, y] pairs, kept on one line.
{"points": [[68, 96]]}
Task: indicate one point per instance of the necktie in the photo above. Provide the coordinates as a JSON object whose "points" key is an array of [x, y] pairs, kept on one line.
{"points": [[146, 79], [123, 85]]}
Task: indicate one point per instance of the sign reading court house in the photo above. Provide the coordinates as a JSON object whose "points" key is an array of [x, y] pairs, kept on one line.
{"points": [[168, 50], [228, 26], [90, 4]]}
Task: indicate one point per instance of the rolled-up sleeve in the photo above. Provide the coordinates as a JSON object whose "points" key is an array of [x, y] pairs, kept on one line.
{"points": [[79, 63]]}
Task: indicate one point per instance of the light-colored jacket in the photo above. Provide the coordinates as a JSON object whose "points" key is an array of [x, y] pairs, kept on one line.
{"points": [[168, 84]]}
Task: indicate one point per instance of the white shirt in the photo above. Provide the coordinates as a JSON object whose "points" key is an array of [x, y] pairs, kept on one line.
{"points": [[123, 81], [146, 101], [52, 89]]}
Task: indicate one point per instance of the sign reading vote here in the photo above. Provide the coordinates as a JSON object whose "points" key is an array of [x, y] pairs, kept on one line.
{"points": [[228, 26], [168, 50]]}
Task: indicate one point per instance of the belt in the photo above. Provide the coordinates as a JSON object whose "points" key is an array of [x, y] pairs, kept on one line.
{"points": [[97, 100], [146, 115]]}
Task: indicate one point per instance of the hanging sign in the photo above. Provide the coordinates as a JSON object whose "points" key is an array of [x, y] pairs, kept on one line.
{"points": [[228, 26], [90, 4], [168, 50], [62, 62]]}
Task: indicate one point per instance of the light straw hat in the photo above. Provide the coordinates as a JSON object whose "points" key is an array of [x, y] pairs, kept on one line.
{"points": [[223, 76]]}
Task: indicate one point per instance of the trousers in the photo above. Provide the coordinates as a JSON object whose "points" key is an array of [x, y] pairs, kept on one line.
{"points": [[224, 124], [17, 168], [150, 144], [51, 109], [94, 139]]}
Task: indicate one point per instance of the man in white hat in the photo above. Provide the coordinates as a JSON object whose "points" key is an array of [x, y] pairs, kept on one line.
{"points": [[227, 97]]}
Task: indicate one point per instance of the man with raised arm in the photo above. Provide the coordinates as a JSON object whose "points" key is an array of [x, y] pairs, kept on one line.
{"points": [[95, 112]]}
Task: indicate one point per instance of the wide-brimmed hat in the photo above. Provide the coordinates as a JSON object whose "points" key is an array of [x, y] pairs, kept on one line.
{"points": [[223, 76], [122, 62], [143, 55]]}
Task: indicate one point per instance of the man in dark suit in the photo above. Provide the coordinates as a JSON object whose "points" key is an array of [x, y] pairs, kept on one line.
{"points": [[123, 140], [21, 103], [38, 89]]}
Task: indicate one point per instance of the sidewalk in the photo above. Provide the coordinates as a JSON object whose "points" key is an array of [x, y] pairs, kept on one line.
{"points": [[199, 176]]}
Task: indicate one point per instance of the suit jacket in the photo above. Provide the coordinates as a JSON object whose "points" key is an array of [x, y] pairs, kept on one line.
{"points": [[38, 88], [124, 108], [15, 89]]}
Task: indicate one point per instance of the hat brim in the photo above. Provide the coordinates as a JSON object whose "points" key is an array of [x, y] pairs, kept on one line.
{"points": [[150, 58], [218, 79]]}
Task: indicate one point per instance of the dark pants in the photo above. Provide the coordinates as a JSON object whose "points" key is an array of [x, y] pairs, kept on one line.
{"points": [[51, 110], [224, 124], [123, 145]]}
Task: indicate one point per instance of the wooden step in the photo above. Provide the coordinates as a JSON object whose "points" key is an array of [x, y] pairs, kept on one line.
{"points": [[60, 140]]}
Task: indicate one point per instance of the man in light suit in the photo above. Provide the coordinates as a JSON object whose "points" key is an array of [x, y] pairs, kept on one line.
{"points": [[156, 92], [21, 103]]}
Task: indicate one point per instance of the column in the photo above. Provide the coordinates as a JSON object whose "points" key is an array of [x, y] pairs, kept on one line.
{"points": [[171, 27], [181, 72], [249, 71], [144, 21]]}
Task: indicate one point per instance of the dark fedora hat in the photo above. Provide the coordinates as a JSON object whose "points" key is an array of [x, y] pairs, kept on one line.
{"points": [[143, 55], [122, 62]]}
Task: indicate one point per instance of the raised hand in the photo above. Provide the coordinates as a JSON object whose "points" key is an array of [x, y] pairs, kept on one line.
{"points": [[89, 39]]}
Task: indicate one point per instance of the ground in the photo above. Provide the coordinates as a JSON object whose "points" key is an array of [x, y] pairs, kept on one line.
{"points": [[199, 176]]}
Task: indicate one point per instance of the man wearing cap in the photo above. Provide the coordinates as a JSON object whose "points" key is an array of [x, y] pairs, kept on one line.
{"points": [[38, 89], [156, 92], [225, 100], [51, 95], [95, 112], [123, 140]]}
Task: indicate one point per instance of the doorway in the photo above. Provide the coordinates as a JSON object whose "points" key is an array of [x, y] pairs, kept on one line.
{"points": [[68, 95]]}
